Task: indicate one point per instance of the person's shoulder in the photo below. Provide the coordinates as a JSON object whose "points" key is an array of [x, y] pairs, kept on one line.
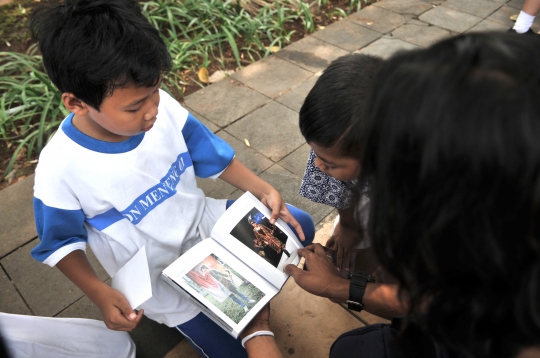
{"points": [[171, 108], [166, 101], [57, 150]]}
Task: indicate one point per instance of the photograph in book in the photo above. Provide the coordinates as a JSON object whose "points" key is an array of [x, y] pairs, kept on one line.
{"points": [[265, 239], [223, 287]]}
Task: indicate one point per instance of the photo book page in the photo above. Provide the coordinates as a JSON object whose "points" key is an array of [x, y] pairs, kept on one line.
{"points": [[225, 288], [245, 230], [239, 269]]}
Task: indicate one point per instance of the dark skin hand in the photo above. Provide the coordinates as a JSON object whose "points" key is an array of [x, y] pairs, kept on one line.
{"points": [[261, 346], [322, 279], [345, 238]]}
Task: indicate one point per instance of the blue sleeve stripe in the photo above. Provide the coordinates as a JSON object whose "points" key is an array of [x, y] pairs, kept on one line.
{"points": [[106, 219], [210, 154], [56, 228]]}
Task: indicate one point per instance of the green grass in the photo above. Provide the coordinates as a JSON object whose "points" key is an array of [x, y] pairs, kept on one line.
{"points": [[198, 33], [30, 107]]}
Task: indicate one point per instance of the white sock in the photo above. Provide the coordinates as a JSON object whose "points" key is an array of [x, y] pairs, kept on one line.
{"points": [[523, 22]]}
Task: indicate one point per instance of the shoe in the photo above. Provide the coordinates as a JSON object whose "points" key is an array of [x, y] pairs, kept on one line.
{"points": [[245, 309], [528, 32], [251, 301]]}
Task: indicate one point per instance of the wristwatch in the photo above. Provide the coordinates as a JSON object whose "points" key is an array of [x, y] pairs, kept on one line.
{"points": [[359, 281]]}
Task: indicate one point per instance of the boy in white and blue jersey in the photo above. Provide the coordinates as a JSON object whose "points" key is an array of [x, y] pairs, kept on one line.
{"points": [[120, 172]]}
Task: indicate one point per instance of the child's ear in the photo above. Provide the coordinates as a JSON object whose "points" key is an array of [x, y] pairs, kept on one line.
{"points": [[73, 104]]}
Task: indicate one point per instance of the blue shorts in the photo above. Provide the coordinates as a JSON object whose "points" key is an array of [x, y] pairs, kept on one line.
{"points": [[210, 340]]}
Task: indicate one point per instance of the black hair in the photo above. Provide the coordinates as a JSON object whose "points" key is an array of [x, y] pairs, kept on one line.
{"points": [[92, 47], [330, 113], [452, 142]]}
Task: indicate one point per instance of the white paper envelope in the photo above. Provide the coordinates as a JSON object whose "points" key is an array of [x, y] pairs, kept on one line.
{"points": [[133, 279]]}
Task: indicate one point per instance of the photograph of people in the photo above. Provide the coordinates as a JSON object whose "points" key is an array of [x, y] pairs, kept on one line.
{"points": [[266, 239], [223, 287]]}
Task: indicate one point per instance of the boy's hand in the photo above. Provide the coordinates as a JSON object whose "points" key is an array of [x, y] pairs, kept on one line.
{"points": [[116, 311], [274, 201], [344, 240], [244, 179]]}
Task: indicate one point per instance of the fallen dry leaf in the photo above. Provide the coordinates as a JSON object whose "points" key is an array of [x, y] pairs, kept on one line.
{"points": [[247, 142], [203, 75], [272, 49], [369, 23], [219, 75], [514, 17]]}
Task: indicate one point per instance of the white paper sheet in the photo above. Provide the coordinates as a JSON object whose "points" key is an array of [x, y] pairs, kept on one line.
{"points": [[133, 279]]}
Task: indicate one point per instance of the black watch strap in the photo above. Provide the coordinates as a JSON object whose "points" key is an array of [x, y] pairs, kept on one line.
{"points": [[359, 281]]}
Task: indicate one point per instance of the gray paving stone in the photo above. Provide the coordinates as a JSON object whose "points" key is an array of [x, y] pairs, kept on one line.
{"points": [[272, 130], [422, 36], [488, 25], [214, 128], [377, 19], [294, 99], [518, 4], [502, 16], [17, 215], [311, 53], [210, 101], [272, 76], [416, 22], [347, 35], [288, 185], [82, 308], [386, 47], [253, 160], [10, 300], [296, 161], [215, 188], [405, 6], [450, 19], [45, 289], [480, 8]]}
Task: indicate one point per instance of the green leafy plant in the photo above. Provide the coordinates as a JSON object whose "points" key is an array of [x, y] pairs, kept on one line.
{"points": [[30, 107], [197, 33]]}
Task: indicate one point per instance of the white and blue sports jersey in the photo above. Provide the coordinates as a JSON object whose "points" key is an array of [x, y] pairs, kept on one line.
{"points": [[118, 197]]}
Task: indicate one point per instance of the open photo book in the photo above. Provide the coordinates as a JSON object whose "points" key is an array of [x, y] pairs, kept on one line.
{"points": [[233, 274]]}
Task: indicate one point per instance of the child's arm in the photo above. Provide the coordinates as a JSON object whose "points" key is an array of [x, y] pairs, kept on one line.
{"points": [[346, 236], [114, 307], [244, 179]]}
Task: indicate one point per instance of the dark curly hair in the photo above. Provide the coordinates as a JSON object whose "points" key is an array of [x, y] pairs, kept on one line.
{"points": [[91, 47], [452, 142]]}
